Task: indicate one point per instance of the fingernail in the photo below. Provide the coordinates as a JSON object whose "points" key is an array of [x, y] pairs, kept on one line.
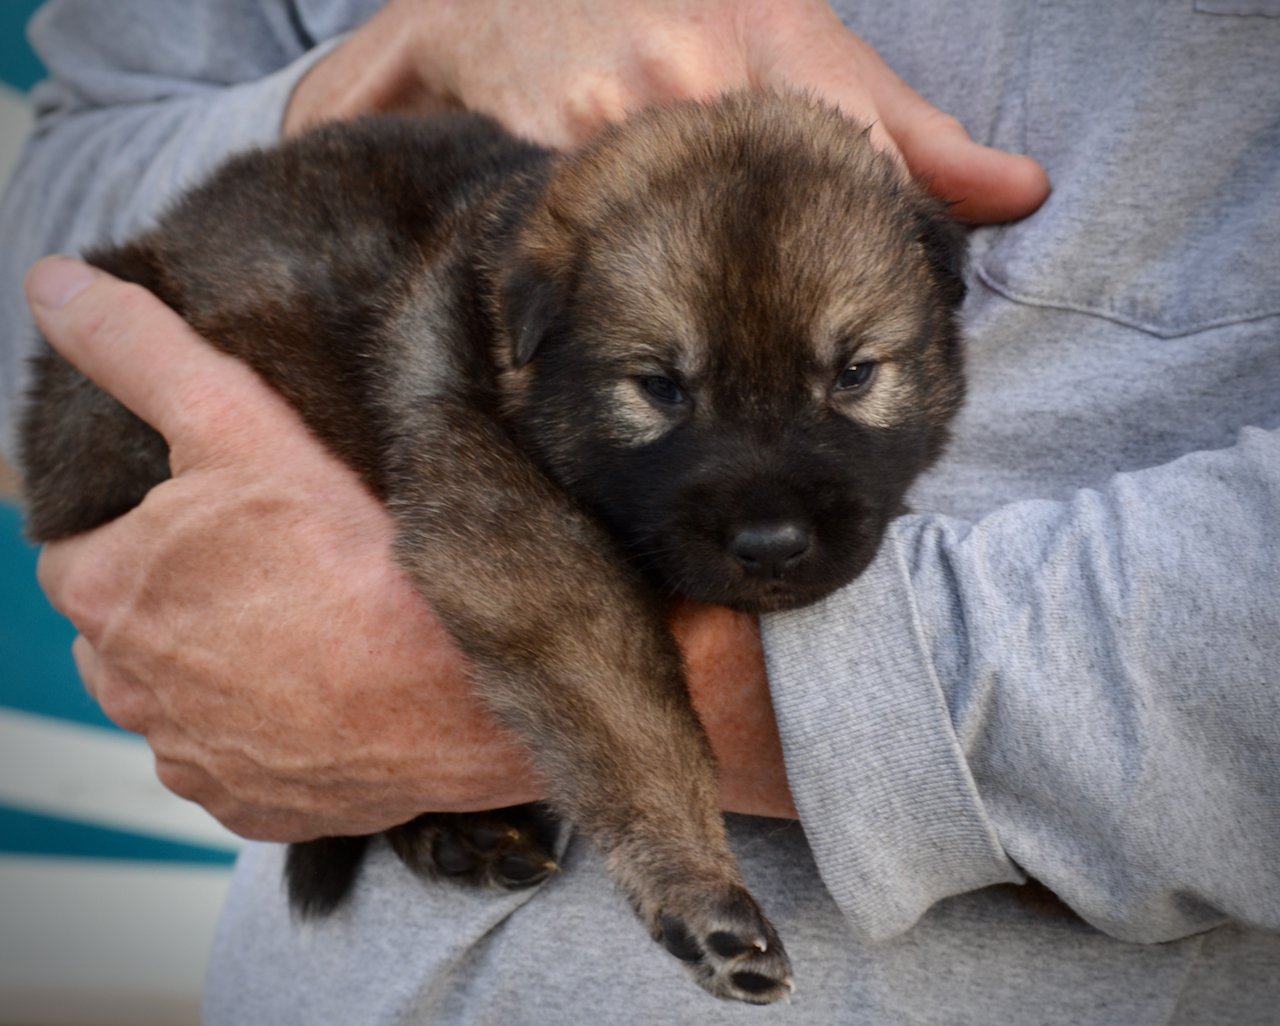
{"points": [[55, 281]]}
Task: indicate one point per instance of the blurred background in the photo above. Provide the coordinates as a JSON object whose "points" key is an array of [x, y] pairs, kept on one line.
{"points": [[109, 885]]}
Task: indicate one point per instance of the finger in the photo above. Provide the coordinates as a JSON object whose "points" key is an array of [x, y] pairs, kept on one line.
{"points": [[244, 818], [84, 576], [125, 703], [985, 185], [76, 576], [87, 665], [133, 346], [592, 101], [820, 55], [190, 782]]}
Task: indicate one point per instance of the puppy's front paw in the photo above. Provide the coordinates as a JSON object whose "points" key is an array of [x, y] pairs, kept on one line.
{"points": [[506, 848]]}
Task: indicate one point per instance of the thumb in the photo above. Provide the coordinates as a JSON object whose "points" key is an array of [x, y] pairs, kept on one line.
{"points": [[985, 185], [128, 343]]}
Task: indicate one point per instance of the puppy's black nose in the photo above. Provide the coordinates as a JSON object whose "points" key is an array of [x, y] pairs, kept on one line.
{"points": [[767, 550]]}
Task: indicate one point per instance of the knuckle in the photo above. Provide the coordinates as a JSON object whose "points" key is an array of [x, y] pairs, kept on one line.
{"points": [[257, 823], [116, 317], [941, 123], [219, 420], [688, 62], [86, 660], [203, 404], [931, 124], [125, 705], [264, 827], [593, 101], [194, 784], [80, 593], [230, 411], [185, 780]]}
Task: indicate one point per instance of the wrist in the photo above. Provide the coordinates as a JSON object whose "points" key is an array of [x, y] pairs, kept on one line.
{"points": [[724, 662], [375, 70]]}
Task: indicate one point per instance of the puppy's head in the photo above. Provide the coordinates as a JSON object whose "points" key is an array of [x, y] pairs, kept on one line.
{"points": [[731, 334]]}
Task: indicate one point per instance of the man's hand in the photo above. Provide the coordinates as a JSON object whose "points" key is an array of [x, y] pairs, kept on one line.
{"points": [[556, 71], [246, 617]]}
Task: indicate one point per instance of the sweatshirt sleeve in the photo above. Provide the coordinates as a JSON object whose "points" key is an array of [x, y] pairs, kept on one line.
{"points": [[144, 98], [1087, 691]]}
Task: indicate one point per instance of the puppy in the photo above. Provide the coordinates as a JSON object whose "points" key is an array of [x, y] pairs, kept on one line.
{"points": [[704, 355]]}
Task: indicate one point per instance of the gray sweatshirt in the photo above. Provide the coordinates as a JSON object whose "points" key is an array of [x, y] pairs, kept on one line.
{"points": [[1065, 664]]}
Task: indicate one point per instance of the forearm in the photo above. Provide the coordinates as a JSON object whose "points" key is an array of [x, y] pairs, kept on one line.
{"points": [[1146, 687], [1083, 688], [144, 98]]}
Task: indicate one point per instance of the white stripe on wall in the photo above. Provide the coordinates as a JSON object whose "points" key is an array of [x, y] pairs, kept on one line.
{"points": [[88, 943], [96, 776]]}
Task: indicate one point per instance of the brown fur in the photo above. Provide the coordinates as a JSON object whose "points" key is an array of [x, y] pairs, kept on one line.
{"points": [[707, 354]]}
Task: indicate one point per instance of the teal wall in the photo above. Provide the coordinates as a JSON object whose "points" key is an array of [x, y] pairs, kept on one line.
{"points": [[36, 671], [37, 675], [19, 66]]}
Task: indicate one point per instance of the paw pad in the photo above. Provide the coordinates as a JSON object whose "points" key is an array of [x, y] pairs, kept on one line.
{"points": [[509, 848], [730, 949]]}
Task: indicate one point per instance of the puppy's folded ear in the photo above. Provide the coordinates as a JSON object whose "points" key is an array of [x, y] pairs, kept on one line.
{"points": [[945, 244], [533, 302]]}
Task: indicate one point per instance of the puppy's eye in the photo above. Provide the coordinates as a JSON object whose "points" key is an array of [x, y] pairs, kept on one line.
{"points": [[856, 377], [663, 389]]}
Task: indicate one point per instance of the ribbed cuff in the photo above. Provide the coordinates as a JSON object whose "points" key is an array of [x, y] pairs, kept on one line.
{"points": [[886, 799]]}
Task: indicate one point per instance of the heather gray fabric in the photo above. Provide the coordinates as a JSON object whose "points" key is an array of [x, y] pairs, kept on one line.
{"points": [[1067, 662]]}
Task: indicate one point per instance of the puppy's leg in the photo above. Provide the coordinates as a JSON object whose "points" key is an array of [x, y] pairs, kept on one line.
{"points": [[568, 650]]}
